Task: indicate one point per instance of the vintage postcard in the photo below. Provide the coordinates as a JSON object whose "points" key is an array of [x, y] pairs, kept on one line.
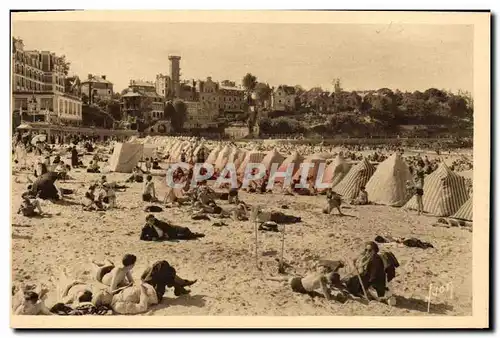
{"points": [[216, 169]]}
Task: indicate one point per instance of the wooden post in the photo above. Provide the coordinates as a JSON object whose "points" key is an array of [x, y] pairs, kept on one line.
{"points": [[283, 243], [429, 299]]}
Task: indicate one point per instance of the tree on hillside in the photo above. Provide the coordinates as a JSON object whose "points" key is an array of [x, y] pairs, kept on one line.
{"points": [[299, 90], [249, 82], [65, 64], [177, 112], [263, 92]]}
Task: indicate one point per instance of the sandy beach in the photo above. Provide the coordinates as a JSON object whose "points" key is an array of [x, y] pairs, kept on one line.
{"points": [[224, 263]]}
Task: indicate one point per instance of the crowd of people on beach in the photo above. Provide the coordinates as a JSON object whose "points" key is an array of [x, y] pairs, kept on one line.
{"points": [[368, 275]]}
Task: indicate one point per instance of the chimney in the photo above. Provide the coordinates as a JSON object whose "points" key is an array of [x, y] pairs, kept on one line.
{"points": [[103, 77], [89, 77]]}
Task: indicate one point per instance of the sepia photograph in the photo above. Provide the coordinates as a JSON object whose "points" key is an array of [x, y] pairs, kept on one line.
{"points": [[249, 169]]}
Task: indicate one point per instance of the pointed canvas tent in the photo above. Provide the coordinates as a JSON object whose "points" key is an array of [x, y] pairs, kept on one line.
{"points": [[444, 192], [148, 151], [212, 157], [317, 161], [388, 183], [271, 158], [125, 157], [253, 156], [335, 171], [356, 178], [222, 158], [294, 159], [465, 211]]}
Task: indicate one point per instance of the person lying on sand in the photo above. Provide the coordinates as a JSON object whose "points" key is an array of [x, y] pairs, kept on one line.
{"points": [[149, 192], [113, 184], [115, 277], [333, 201], [135, 299], [161, 275], [362, 198], [323, 279], [156, 230], [86, 299], [277, 217]]}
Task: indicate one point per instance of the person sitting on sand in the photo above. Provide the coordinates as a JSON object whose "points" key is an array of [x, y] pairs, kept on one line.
{"points": [[109, 195], [162, 275], [62, 170], [362, 198], [323, 279], [240, 213], [92, 200], [156, 165], [29, 206], [32, 306], [156, 230], [334, 201], [149, 192], [369, 267], [136, 176], [93, 167], [115, 277], [232, 196]]}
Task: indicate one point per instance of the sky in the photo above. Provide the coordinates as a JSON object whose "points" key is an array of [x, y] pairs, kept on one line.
{"points": [[407, 57]]}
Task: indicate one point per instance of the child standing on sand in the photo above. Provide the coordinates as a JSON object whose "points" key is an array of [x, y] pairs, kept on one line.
{"points": [[147, 161]]}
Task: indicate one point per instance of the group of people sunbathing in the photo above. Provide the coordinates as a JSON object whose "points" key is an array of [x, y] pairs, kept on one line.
{"points": [[368, 277], [113, 288]]}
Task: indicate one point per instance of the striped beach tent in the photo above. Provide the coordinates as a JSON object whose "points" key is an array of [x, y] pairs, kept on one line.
{"points": [[356, 178], [294, 159], [335, 171], [212, 157], [444, 192], [317, 162], [253, 156], [465, 211], [222, 158], [388, 183], [272, 157]]}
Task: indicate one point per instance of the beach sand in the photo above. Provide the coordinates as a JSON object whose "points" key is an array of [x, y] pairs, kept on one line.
{"points": [[224, 261]]}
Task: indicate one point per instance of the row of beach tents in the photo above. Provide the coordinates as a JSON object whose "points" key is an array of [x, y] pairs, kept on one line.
{"points": [[445, 191]]}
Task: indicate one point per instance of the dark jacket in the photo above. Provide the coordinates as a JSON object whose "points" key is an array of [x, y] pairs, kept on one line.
{"points": [[160, 276]]}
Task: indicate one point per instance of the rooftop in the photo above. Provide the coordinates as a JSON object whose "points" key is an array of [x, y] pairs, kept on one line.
{"points": [[98, 79]]}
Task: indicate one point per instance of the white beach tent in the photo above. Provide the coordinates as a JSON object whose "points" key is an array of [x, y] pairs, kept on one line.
{"points": [[125, 157], [388, 183]]}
